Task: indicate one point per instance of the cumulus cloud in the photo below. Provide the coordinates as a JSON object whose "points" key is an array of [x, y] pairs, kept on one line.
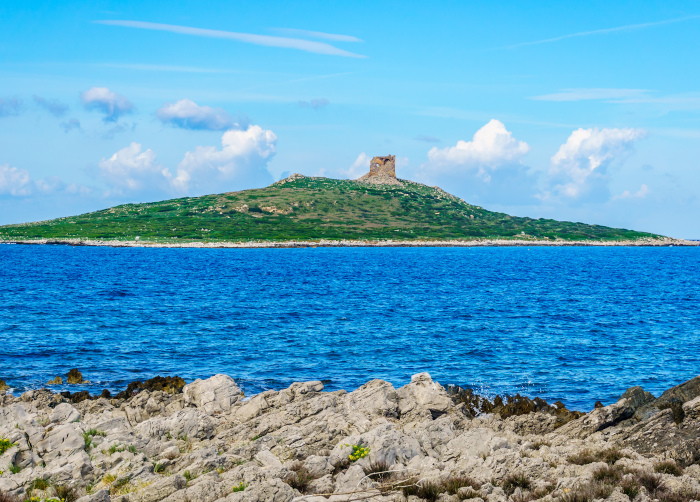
{"points": [[187, 114], [579, 168], [315, 104], [14, 181], [357, 168], [107, 102], [491, 147], [53, 106], [132, 170], [10, 106], [240, 163], [18, 182], [486, 169]]}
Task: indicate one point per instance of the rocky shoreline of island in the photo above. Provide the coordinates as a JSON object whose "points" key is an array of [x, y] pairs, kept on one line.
{"points": [[165, 440], [663, 242]]}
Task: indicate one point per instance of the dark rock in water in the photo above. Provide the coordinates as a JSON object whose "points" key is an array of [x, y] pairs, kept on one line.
{"points": [[77, 397], [3, 386], [55, 381], [672, 399], [510, 406], [684, 392], [171, 385], [75, 376]]}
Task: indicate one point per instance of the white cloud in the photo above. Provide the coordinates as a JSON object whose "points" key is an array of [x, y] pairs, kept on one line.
{"points": [[593, 94], [132, 170], [109, 103], [319, 34], [15, 181], [491, 147], [580, 166], [487, 169], [265, 40], [187, 114], [639, 194], [18, 182], [358, 168], [605, 31], [240, 163]]}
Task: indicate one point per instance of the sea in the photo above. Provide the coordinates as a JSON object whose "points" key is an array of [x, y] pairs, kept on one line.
{"points": [[574, 324]]}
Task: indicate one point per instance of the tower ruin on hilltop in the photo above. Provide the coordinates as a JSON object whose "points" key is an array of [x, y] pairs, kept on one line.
{"points": [[382, 170]]}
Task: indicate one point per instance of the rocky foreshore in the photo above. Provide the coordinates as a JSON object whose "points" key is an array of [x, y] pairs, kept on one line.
{"points": [[662, 242], [204, 441]]}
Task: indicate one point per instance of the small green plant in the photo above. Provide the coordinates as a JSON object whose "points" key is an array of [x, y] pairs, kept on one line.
{"points": [[121, 486], [89, 434], [516, 480], [158, 468], [299, 477], [188, 476], [358, 452], [14, 468], [239, 487], [109, 479], [131, 448], [668, 467], [38, 484], [66, 493], [5, 444], [378, 471], [607, 474], [629, 487]]}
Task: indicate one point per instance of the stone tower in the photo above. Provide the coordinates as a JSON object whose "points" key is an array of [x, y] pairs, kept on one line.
{"points": [[382, 170]]}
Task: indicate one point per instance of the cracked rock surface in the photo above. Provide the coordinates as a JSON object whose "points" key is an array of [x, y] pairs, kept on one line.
{"points": [[209, 443]]}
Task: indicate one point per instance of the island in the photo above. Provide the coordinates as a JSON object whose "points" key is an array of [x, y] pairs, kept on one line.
{"points": [[378, 209]]}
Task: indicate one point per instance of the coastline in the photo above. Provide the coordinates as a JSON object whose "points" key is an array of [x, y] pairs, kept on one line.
{"points": [[666, 242], [165, 440]]}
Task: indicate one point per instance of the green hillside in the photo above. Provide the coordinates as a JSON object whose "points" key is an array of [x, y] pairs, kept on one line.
{"points": [[308, 209]]}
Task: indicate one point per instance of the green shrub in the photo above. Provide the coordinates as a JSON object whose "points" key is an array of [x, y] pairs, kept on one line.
{"points": [[668, 467], [5, 444], [239, 487]]}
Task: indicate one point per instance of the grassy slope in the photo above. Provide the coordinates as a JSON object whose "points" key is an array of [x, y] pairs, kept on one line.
{"points": [[310, 209]]}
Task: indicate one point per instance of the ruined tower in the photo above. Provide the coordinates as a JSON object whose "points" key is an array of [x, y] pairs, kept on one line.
{"points": [[382, 170]]}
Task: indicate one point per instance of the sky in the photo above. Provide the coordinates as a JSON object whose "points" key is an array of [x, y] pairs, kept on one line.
{"points": [[583, 111]]}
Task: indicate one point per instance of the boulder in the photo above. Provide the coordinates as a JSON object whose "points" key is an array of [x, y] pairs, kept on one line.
{"points": [[213, 395]]}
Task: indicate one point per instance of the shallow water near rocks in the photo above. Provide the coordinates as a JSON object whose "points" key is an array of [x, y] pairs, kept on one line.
{"points": [[574, 324]]}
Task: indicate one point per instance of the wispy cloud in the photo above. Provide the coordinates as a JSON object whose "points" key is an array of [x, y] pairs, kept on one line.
{"points": [[315, 103], [250, 38], [10, 106], [53, 106], [161, 68], [318, 34], [605, 31], [670, 102], [593, 94]]}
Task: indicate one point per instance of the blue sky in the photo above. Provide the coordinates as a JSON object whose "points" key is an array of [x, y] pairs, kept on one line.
{"points": [[580, 111]]}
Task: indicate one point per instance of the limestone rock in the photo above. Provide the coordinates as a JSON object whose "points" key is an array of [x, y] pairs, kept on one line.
{"points": [[213, 395], [423, 398], [64, 413]]}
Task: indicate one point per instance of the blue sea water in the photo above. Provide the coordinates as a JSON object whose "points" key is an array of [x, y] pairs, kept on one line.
{"points": [[572, 324]]}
